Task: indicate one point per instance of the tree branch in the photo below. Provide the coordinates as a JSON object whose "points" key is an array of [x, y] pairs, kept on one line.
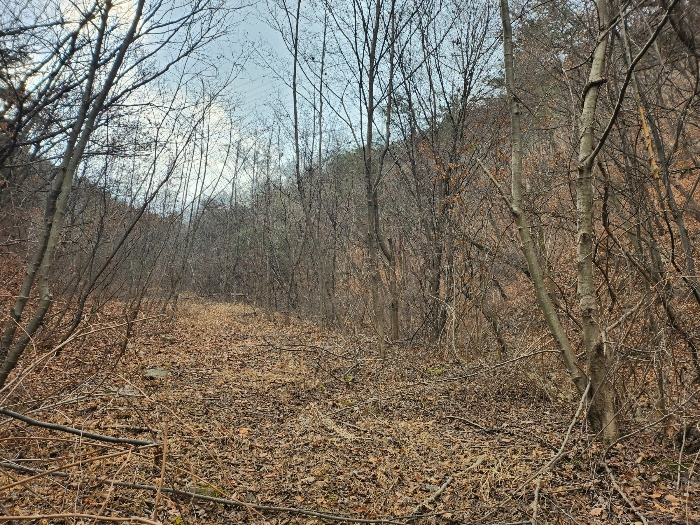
{"points": [[625, 84], [75, 431]]}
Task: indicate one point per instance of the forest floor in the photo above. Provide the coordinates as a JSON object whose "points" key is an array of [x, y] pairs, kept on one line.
{"points": [[253, 413]]}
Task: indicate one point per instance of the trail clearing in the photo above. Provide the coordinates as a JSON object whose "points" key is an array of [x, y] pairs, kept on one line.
{"points": [[251, 413]]}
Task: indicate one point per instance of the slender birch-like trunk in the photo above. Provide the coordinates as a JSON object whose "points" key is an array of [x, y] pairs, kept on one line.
{"points": [[601, 414], [371, 188], [516, 203]]}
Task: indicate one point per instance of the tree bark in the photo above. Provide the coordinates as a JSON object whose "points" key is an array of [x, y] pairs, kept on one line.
{"points": [[601, 413]]}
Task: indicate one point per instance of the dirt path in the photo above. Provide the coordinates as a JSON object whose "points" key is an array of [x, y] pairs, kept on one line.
{"points": [[268, 414]]}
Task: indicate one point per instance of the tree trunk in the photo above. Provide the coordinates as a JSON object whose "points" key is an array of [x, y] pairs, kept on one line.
{"points": [[394, 290], [372, 181], [516, 203], [601, 413]]}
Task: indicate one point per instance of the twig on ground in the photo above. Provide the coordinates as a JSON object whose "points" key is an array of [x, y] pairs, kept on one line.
{"points": [[678, 407], [10, 387], [183, 423], [487, 369], [4, 510], [680, 457], [352, 426], [159, 492], [57, 469], [551, 462], [35, 493], [560, 452], [71, 430], [478, 462], [468, 422], [298, 347], [527, 522], [213, 499], [77, 515], [111, 486], [534, 503], [623, 495], [130, 428], [435, 495], [269, 508], [445, 380], [691, 470], [560, 509], [29, 470]]}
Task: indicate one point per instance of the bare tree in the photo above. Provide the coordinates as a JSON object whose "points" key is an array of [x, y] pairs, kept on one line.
{"points": [[117, 56]]}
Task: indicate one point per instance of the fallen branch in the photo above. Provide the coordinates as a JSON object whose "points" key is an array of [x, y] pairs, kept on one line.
{"points": [[560, 452], [75, 431], [532, 437], [22, 468], [550, 463], [130, 428], [162, 473], [478, 462], [269, 508], [468, 422], [445, 380], [3, 509], [52, 353], [57, 469], [110, 491], [623, 495], [534, 503], [435, 495], [78, 515], [485, 370]]}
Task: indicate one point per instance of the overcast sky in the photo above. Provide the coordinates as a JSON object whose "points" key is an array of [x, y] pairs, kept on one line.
{"points": [[267, 59]]}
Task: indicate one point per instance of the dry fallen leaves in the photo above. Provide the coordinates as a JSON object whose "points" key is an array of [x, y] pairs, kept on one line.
{"points": [[259, 411]]}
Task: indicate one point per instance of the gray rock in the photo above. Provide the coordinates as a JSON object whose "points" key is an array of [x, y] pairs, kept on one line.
{"points": [[155, 373]]}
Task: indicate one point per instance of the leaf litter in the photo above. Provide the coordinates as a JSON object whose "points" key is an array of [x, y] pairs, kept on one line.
{"points": [[270, 414]]}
